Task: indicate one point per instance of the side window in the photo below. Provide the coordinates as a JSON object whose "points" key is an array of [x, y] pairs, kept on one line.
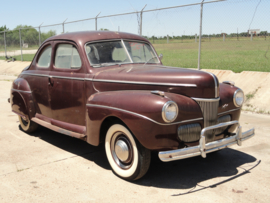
{"points": [[67, 57], [45, 57]]}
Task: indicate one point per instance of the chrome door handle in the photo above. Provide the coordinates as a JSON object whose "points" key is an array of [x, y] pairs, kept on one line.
{"points": [[50, 81]]}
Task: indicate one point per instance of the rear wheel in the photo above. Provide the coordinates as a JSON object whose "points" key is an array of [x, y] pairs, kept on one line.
{"points": [[28, 126], [127, 157]]}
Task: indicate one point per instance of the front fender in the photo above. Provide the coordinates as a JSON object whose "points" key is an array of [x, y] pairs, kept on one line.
{"points": [[141, 112], [21, 98]]}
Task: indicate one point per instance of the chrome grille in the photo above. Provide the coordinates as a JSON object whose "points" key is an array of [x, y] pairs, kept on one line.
{"points": [[189, 133], [223, 119], [209, 109]]}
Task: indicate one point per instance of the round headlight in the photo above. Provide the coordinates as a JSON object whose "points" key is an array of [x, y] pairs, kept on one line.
{"points": [[169, 111], [238, 98]]}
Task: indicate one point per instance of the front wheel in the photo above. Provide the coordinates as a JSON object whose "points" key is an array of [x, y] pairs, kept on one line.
{"points": [[28, 126], [127, 157]]}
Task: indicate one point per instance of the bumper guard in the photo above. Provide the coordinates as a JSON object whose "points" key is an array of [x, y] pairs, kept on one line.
{"points": [[203, 148]]}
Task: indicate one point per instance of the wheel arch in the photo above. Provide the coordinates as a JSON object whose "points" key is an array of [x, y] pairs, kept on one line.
{"points": [[106, 124], [21, 99]]}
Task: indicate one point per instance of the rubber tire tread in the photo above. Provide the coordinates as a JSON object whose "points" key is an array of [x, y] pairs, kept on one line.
{"points": [[31, 127], [144, 160]]}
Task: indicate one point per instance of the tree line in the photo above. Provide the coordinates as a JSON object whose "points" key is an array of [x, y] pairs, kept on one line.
{"points": [[29, 35], [242, 34]]}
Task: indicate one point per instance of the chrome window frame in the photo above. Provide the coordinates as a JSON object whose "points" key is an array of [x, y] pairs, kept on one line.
{"points": [[54, 57], [40, 53], [124, 46], [154, 51]]}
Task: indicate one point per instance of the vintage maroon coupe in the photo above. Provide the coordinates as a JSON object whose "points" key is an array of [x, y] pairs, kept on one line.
{"points": [[111, 87]]}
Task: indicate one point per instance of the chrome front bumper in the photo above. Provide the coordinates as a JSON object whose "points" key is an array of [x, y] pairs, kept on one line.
{"points": [[202, 149]]}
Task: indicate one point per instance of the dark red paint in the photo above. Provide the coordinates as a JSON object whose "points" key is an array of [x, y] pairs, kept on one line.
{"points": [[63, 99]]}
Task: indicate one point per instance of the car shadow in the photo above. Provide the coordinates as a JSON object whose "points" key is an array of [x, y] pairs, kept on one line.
{"points": [[181, 174], [73, 145], [192, 172]]}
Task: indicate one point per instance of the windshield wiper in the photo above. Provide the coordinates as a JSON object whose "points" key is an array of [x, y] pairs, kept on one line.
{"points": [[104, 64], [149, 60]]}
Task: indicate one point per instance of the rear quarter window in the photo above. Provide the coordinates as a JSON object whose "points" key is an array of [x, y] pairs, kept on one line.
{"points": [[44, 59]]}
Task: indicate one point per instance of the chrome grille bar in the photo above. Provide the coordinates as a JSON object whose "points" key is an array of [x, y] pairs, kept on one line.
{"points": [[209, 109]]}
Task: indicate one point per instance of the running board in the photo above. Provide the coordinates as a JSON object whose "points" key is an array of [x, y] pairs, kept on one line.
{"points": [[58, 129]]}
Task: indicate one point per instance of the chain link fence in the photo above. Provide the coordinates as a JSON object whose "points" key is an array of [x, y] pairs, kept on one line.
{"points": [[234, 33]]}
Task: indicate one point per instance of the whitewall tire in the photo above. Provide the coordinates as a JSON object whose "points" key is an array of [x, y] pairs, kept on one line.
{"points": [[28, 126], [127, 157]]}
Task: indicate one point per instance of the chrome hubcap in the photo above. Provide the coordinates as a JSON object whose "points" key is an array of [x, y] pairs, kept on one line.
{"points": [[121, 150]]}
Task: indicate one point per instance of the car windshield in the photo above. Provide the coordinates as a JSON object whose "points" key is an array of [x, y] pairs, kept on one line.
{"points": [[120, 52]]}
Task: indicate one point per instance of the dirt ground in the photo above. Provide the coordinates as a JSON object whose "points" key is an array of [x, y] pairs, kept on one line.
{"points": [[50, 167]]}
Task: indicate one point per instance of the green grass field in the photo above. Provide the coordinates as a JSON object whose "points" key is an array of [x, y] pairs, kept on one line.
{"points": [[238, 56], [26, 57]]}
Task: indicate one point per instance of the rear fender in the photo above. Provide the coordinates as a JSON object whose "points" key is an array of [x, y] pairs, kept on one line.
{"points": [[21, 99]]}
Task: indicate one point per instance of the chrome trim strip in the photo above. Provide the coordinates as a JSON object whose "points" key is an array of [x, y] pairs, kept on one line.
{"points": [[21, 91], [229, 111], [136, 114], [115, 81], [145, 83], [53, 76], [215, 80], [206, 100], [62, 77], [41, 75]]}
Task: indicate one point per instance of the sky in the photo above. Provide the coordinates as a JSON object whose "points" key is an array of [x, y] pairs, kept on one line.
{"points": [[228, 16]]}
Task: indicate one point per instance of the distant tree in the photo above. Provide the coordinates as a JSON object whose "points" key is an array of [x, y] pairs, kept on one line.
{"points": [[3, 28], [104, 29], [263, 33]]}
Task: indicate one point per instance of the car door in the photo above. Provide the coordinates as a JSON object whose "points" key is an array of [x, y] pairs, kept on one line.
{"points": [[38, 76], [66, 87]]}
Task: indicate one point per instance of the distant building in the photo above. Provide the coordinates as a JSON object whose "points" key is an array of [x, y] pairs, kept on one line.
{"points": [[254, 31]]}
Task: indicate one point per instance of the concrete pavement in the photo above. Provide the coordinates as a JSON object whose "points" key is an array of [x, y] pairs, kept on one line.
{"points": [[50, 167]]}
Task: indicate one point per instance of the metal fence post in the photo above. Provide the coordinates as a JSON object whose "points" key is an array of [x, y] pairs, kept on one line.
{"points": [[141, 20], [96, 19], [200, 37], [63, 24], [167, 39], [21, 43], [5, 43], [39, 34], [223, 37], [251, 37]]}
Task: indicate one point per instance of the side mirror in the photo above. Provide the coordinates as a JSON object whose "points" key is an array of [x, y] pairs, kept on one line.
{"points": [[160, 56]]}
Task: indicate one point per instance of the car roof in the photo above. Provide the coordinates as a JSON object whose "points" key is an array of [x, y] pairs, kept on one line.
{"points": [[88, 36]]}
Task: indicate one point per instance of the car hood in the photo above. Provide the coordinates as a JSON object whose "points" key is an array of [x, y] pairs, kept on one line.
{"points": [[189, 82]]}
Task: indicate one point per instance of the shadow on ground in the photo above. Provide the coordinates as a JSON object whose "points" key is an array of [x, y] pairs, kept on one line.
{"points": [[182, 174]]}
